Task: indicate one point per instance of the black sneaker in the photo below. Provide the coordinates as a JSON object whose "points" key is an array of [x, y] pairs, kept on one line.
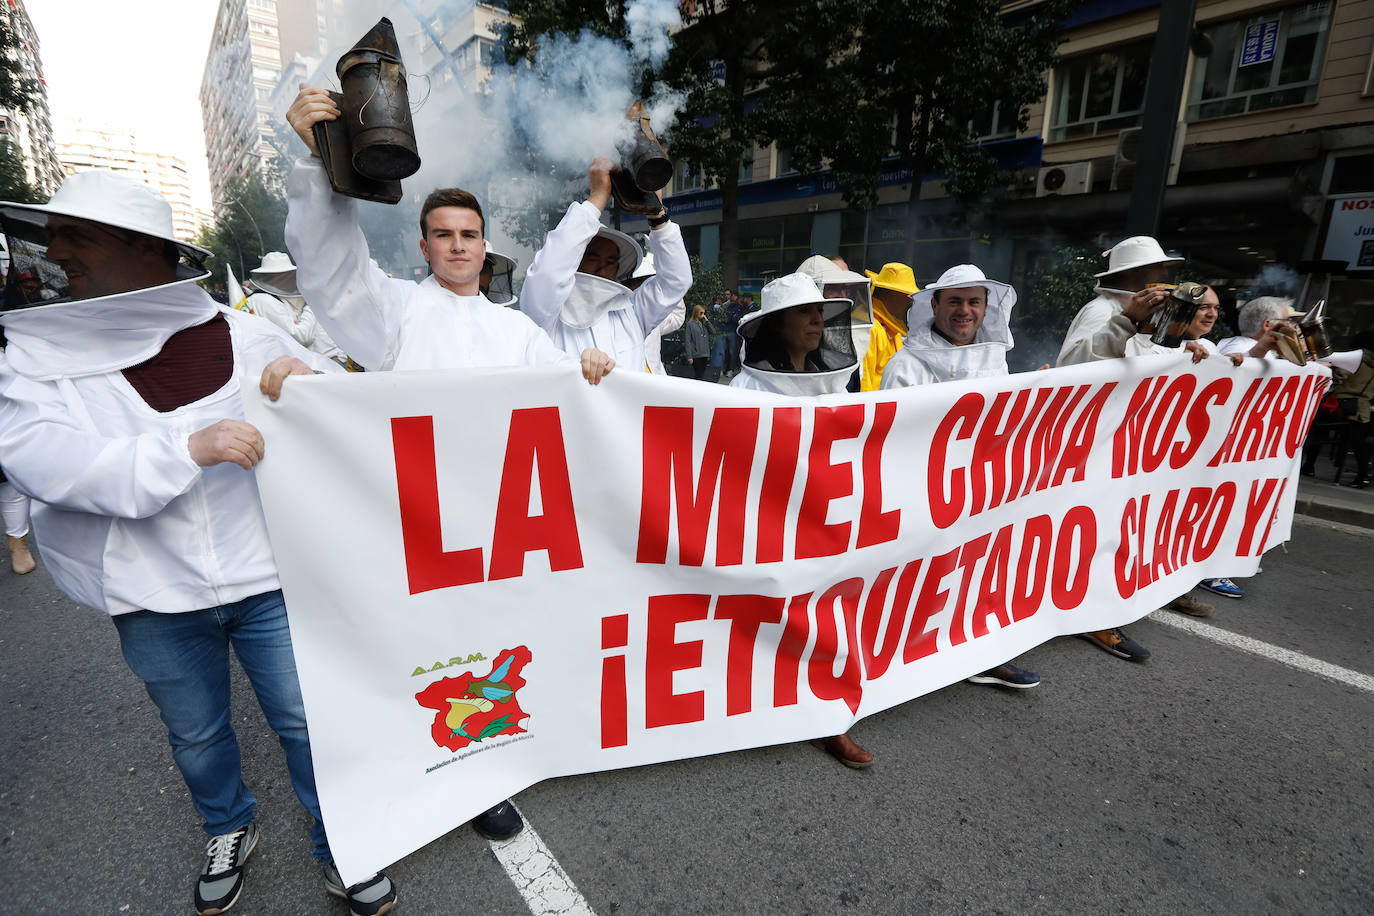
{"points": [[369, 897], [499, 823], [221, 881], [1007, 676], [1118, 644]]}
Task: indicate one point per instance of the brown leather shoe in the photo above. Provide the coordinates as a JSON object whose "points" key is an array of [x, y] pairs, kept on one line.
{"points": [[21, 561], [847, 751]]}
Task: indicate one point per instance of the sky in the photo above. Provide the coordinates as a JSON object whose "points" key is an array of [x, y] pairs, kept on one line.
{"points": [[135, 64]]}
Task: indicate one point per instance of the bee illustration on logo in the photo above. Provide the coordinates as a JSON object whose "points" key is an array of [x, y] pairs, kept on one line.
{"points": [[470, 710]]}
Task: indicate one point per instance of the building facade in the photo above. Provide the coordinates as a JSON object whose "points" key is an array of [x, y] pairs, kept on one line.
{"points": [[242, 69], [83, 146], [30, 132], [1272, 174]]}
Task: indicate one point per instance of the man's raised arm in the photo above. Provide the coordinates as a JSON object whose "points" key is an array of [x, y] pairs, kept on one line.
{"points": [[356, 302]]}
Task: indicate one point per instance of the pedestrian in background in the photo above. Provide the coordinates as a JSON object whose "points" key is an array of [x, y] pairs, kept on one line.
{"points": [[696, 342]]}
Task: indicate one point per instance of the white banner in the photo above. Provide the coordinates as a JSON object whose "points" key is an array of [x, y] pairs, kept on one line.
{"points": [[495, 577]]}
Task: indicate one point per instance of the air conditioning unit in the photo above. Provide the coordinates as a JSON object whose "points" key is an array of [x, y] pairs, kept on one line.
{"points": [[1128, 153], [1059, 180]]}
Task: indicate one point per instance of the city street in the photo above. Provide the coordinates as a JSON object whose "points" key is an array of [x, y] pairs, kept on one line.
{"points": [[1219, 777]]}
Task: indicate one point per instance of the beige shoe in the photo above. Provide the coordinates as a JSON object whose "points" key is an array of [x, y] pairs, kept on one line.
{"points": [[1187, 604], [21, 561]]}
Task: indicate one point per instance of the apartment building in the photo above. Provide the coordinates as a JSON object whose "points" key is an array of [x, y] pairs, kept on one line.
{"points": [[1273, 168], [82, 146], [30, 131], [241, 71]]}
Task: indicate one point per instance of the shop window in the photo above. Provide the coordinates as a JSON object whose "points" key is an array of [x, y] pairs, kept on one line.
{"points": [[1263, 61], [1100, 92]]}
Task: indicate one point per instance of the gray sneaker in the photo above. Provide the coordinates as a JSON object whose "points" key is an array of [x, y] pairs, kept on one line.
{"points": [[221, 881], [369, 897]]}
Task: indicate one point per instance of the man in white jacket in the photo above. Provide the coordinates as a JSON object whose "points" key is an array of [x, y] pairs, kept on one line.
{"points": [[443, 322], [574, 288], [1134, 286], [277, 299], [959, 327], [120, 415]]}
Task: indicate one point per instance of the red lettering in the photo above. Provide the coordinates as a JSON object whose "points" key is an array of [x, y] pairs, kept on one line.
{"points": [[790, 647], [1127, 439], [535, 440], [875, 525], [1164, 420], [664, 656], [931, 601], [992, 591], [947, 494], [826, 482], [1260, 491], [1125, 563], [746, 614], [725, 466], [971, 553], [783, 447], [1029, 585], [1067, 589], [615, 725], [820, 668], [1198, 422], [877, 658], [428, 565]]}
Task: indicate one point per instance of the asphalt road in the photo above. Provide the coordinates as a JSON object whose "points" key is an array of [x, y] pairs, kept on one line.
{"points": [[1209, 780]]}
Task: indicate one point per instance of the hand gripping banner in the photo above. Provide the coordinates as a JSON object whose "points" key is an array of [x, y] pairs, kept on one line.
{"points": [[494, 577]]}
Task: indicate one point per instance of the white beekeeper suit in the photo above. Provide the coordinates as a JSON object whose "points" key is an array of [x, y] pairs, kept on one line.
{"points": [[128, 521], [385, 323], [836, 282], [653, 344], [281, 303], [836, 361], [579, 310], [926, 358], [1100, 330]]}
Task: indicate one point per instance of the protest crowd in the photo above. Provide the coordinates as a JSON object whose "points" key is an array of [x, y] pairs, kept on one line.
{"points": [[121, 424]]}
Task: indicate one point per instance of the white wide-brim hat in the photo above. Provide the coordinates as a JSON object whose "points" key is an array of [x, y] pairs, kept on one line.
{"points": [[824, 271], [1000, 295], [630, 252], [645, 268], [114, 200], [1136, 251], [500, 263], [276, 274], [787, 292]]}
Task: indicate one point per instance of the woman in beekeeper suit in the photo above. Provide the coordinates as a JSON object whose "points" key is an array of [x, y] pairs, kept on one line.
{"points": [[798, 343]]}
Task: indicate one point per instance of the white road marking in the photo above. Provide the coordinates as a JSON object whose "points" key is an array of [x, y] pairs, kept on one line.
{"points": [[541, 881], [1266, 650]]}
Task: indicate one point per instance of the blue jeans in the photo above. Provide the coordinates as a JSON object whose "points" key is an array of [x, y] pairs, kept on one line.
{"points": [[183, 660]]}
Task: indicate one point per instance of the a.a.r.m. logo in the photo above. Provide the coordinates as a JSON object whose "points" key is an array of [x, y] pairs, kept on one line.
{"points": [[469, 710]]}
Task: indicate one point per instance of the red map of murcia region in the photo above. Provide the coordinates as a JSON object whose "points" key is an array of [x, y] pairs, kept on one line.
{"points": [[471, 709]]}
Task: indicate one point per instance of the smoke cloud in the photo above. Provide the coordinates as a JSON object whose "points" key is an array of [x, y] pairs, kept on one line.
{"points": [[527, 136]]}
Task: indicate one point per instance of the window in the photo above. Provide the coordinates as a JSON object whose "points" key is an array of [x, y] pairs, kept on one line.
{"points": [[746, 166], [998, 124], [1263, 61], [1100, 92], [685, 178], [784, 162]]}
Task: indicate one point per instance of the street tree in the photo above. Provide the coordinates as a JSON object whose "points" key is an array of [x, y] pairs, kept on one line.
{"points": [[919, 79], [249, 221], [718, 61]]}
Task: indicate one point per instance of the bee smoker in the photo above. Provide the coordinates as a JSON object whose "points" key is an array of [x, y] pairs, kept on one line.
{"points": [[644, 167], [1171, 328], [1312, 327], [371, 146]]}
